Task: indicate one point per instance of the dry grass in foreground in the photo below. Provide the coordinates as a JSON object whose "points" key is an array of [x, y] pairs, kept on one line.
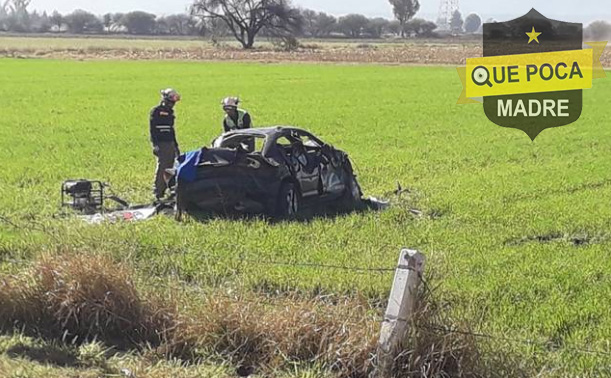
{"points": [[83, 298]]}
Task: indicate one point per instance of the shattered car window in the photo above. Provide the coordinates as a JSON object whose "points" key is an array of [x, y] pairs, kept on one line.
{"points": [[311, 143], [250, 143], [284, 141], [306, 140]]}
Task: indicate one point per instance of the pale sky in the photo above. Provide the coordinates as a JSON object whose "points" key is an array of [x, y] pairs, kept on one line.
{"points": [[565, 10]]}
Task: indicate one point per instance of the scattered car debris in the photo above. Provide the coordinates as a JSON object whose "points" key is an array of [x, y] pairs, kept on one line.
{"points": [[377, 204], [131, 215], [399, 191], [416, 212], [89, 198]]}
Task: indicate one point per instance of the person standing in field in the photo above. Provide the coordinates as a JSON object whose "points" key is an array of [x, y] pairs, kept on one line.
{"points": [[235, 118], [163, 138]]}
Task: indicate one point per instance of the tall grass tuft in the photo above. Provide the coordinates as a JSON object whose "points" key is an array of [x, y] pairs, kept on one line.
{"points": [[80, 298], [275, 334]]}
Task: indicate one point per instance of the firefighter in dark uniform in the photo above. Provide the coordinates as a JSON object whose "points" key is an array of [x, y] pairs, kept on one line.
{"points": [[163, 138], [235, 118]]}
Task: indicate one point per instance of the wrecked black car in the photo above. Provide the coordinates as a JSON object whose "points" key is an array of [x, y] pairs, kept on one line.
{"points": [[277, 171]]}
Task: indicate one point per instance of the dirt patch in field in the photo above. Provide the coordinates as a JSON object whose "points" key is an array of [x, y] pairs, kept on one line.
{"points": [[576, 240], [424, 54], [405, 54]]}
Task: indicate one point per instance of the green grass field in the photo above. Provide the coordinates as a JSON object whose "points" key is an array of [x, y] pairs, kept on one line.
{"points": [[491, 198]]}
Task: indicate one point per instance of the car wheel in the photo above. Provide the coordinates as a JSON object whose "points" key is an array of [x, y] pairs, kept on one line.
{"points": [[288, 202]]}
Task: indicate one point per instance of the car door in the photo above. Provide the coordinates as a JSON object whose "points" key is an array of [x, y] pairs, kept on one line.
{"points": [[297, 160], [310, 160], [332, 175]]}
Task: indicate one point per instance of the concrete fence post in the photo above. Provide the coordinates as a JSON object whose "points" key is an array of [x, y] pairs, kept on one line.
{"points": [[401, 307]]}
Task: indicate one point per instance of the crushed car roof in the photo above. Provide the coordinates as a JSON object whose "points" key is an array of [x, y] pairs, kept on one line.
{"points": [[265, 131]]}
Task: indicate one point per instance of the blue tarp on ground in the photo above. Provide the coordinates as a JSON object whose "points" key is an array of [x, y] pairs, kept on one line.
{"points": [[187, 169]]}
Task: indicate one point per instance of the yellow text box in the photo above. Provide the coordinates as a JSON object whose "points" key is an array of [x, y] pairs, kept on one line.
{"points": [[515, 74]]}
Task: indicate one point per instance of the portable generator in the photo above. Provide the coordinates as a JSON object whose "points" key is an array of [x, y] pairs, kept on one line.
{"points": [[85, 196]]}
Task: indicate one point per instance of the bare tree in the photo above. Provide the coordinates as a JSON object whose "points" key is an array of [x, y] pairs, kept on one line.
{"points": [[214, 28], [404, 10], [247, 18]]}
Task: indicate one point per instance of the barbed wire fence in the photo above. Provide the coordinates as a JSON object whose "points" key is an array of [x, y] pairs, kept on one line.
{"points": [[439, 329], [31, 225]]}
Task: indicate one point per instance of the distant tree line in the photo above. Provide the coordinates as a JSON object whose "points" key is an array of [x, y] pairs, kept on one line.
{"points": [[245, 20], [596, 31], [322, 25], [16, 17]]}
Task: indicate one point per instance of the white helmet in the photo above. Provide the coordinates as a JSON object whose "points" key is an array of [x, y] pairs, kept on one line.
{"points": [[170, 95], [230, 102]]}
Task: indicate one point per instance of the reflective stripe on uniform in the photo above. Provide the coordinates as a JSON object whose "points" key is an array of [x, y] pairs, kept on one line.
{"points": [[231, 124]]}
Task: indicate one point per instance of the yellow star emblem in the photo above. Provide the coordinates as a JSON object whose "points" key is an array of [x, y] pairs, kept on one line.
{"points": [[533, 35]]}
